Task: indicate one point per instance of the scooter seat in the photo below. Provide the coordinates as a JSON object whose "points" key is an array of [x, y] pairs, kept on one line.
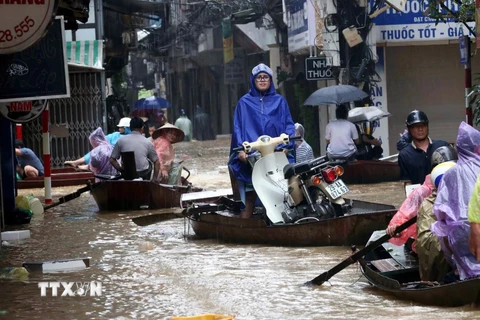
{"points": [[291, 170]]}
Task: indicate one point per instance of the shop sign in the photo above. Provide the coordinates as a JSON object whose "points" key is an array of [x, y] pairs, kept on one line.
{"points": [[24, 22], [22, 111], [412, 25], [234, 71], [297, 29], [318, 68], [39, 72]]}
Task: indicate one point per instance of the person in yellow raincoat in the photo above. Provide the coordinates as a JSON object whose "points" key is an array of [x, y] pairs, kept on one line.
{"points": [[432, 263], [474, 218]]}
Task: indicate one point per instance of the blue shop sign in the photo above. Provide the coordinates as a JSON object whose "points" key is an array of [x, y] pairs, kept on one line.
{"points": [[297, 25], [412, 25]]}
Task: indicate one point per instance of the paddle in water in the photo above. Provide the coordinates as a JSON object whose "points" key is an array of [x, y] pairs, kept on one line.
{"points": [[318, 281], [150, 219]]}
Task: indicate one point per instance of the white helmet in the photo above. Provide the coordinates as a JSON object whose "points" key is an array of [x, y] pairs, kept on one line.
{"points": [[124, 122]]}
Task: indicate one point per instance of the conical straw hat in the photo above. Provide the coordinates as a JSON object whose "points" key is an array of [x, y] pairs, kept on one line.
{"points": [[179, 134]]}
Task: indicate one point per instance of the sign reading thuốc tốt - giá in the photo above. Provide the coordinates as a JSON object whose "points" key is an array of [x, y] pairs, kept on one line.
{"points": [[24, 22]]}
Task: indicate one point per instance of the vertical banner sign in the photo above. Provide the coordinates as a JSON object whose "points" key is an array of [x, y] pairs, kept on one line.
{"points": [[379, 97], [463, 43], [227, 41], [24, 22], [477, 23], [297, 29]]}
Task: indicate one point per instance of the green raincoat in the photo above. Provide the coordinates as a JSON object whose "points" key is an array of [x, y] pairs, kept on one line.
{"points": [[433, 265]]}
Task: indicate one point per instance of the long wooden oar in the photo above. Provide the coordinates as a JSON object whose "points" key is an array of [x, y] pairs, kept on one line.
{"points": [[77, 193], [156, 218], [164, 216], [72, 196], [318, 281]]}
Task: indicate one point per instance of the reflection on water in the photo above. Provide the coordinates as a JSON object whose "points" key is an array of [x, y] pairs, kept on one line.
{"points": [[154, 272], [179, 277]]}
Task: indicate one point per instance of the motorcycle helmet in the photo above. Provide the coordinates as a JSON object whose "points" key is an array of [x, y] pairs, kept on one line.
{"points": [[416, 116], [438, 172], [443, 154]]}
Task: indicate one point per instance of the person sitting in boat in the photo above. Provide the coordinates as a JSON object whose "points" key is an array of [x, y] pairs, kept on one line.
{"points": [[369, 148], [123, 129], [341, 136], [451, 206], [100, 154], [261, 111], [415, 159], [303, 151], [163, 140], [474, 219], [412, 204], [142, 148], [432, 263], [29, 166]]}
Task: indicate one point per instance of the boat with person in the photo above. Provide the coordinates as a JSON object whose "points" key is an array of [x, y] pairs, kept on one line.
{"points": [[298, 204], [392, 269], [118, 195], [370, 171], [61, 177]]}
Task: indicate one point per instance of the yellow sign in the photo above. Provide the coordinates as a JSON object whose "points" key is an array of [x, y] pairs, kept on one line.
{"points": [[228, 50], [227, 41]]}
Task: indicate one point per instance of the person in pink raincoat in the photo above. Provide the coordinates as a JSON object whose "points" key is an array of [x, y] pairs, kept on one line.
{"points": [[100, 154], [163, 140], [411, 205]]}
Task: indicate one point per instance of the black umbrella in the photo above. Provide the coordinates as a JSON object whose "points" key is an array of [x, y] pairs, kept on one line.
{"points": [[335, 95]]}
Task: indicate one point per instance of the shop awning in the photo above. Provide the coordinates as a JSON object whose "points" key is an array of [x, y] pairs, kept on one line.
{"points": [[85, 54]]}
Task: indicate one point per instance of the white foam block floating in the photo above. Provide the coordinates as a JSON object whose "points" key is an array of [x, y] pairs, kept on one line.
{"points": [[15, 235], [59, 265], [204, 195]]}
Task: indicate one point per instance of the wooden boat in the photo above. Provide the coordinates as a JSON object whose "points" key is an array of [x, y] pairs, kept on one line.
{"points": [[393, 270], [370, 171], [353, 228], [133, 195], [61, 177]]}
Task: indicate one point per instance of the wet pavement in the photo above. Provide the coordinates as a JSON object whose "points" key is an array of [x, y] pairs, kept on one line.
{"points": [[154, 272]]}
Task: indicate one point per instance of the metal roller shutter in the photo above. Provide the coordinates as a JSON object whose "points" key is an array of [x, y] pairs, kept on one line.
{"points": [[428, 78]]}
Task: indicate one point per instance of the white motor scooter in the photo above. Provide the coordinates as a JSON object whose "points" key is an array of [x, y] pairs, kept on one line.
{"points": [[292, 193]]}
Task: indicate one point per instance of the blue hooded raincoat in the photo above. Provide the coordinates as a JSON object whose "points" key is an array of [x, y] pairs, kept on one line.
{"points": [[258, 113]]}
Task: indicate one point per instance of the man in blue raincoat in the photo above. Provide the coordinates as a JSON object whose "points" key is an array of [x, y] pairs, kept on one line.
{"points": [[260, 112]]}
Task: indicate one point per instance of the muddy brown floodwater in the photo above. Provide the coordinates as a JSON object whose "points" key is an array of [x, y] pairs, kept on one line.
{"points": [[154, 272]]}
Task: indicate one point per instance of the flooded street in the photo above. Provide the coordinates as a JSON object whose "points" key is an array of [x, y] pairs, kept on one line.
{"points": [[154, 272]]}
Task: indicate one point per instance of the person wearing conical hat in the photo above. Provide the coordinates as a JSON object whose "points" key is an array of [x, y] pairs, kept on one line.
{"points": [[163, 140]]}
